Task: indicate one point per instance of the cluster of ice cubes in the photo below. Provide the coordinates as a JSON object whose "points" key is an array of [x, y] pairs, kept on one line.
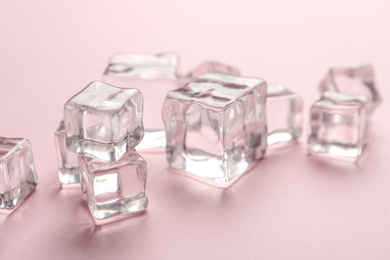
{"points": [[339, 120], [214, 124], [96, 143]]}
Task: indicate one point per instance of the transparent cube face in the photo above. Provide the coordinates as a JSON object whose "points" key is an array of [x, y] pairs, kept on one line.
{"points": [[339, 125], [353, 81], [68, 166], [209, 67], [17, 172], [154, 75], [113, 189], [216, 126], [284, 115], [103, 121]]}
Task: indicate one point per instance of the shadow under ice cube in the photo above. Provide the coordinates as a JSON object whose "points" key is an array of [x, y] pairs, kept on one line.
{"points": [[154, 75], [113, 189], [103, 121], [68, 166], [216, 125], [17, 172], [339, 125], [284, 115]]}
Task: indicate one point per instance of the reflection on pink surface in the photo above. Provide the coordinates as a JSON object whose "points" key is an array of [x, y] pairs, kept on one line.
{"points": [[288, 207]]}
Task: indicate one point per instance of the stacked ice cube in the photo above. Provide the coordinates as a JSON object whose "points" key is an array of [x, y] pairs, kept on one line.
{"points": [[339, 120], [102, 126]]}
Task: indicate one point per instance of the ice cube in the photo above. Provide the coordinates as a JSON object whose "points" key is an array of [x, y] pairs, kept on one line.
{"points": [[339, 125], [353, 81], [216, 126], [68, 166], [154, 75], [113, 189], [209, 67], [284, 114], [143, 66], [17, 172], [103, 121]]}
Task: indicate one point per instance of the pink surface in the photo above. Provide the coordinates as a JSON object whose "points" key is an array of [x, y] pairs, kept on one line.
{"points": [[289, 206]]}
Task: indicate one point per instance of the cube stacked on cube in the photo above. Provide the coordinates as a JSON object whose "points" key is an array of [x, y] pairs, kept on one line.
{"points": [[216, 125], [18, 177], [340, 119], [154, 75], [103, 121], [103, 124]]}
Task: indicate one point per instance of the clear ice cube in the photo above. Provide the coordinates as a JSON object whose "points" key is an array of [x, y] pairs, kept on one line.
{"points": [[68, 166], [154, 75], [103, 121], [353, 81], [209, 67], [216, 126], [284, 114], [113, 189], [339, 125], [143, 66], [17, 172]]}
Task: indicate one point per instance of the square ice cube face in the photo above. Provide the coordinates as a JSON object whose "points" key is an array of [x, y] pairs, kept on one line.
{"points": [[284, 115], [17, 172], [339, 125], [103, 121], [359, 81], [154, 75], [68, 166], [113, 189], [209, 67], [216, 126]]}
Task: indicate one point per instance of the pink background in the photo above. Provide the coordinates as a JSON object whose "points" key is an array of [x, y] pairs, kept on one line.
{"points": [[288, 207]]}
